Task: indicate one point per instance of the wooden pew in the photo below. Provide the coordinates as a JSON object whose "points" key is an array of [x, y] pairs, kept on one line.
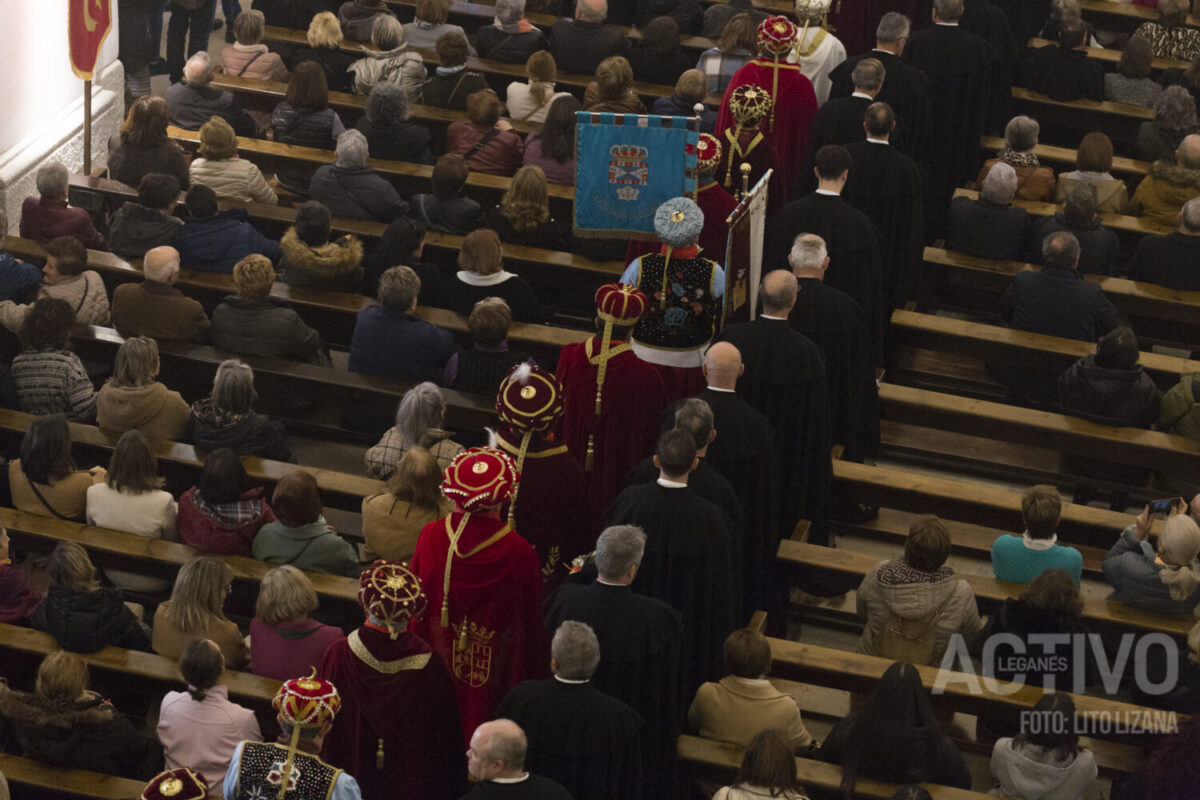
{"points": [[29, 778], [1130, 14], [1110, 57], [1067, 121], [1139, 113], [1064, 157], [1121, 223]]}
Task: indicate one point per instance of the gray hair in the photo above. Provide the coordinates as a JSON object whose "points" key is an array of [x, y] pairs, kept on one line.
{"points": [[233, 387], [893, 26], [1065, 10], [52, 180], [387, 104], [808, 251], [1060, 249], [1175, 110], [948, 10], [575, 650], [695, 417], [161, 264], [421, 410], [868, 74], [386, 32], [352, 149], [1021, 133], [1000, 184], [591, 10], [198, 71], [136, 363], [249, 27], [399, 287], [1173, 11], [509, 12], [1189, 215], [619, 548]]}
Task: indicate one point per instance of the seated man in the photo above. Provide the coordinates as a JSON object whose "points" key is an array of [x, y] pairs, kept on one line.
{"points": [[193, 102], [350, 188], [990, 227], [390, 342], [19, 280], [154, 307], [512, 39], [48, 216], [1171, 260], [1099, 246], [744, 702], [212, 240], [1162, 193], [1057, 301], [138, 227], [1064, 71], [496, 761], [448, 209], [579, 45], [1021, 559]]}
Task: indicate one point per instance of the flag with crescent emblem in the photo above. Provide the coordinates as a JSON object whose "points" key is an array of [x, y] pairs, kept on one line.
{"points": [[88, 24]]}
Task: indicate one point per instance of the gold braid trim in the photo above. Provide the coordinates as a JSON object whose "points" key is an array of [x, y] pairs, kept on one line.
{"points": [[662, 304], [512, 501], [774, 94], [386, 667], [452, 551], [503, 444], [287, 764]]}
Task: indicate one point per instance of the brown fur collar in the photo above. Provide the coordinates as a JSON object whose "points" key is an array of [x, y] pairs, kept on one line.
{"points": [[1175, 174], [30, 709], [339, 257]]}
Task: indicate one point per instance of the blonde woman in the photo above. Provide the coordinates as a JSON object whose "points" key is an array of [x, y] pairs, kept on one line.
{"points": [[248, 323], [528, 102], [613, 89], [325, 47], [133, 400], [523, 216], [1165, 578], [284, 642], [482, 274], [196, 611], [392, 521], [392, 61], [219, 168]]}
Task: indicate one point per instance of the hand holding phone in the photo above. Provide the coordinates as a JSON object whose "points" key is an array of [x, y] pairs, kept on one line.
{"points": [[1164, 506]]}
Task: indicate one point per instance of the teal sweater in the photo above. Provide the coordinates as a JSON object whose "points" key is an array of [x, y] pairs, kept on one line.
{"points": [[1013, 561], [313, 548]]}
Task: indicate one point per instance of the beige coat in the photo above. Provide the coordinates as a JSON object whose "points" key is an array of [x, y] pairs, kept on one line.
{"points": [[391, 526], [153, 409], [85, 293], [1163, 192], [1113, 194], [736, 709], [1033, 183], [68, 496], [170, 641], [233, 179]]}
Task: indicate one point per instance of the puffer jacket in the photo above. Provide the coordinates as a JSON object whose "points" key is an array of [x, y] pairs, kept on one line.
{"points": [[1121, 397], [227, 529], [251, 434], [85, 734], [896, 588], [84, 622], [358, 17], [233, 179], [305, 127], [216, 244], [1161, 193], [134, 229], [334, 265], [1179, 411], [153, 409], [1030, 772], [403, 66], [262, 328], [404, 141], [357, 193], [85, 293], [254, 61]]}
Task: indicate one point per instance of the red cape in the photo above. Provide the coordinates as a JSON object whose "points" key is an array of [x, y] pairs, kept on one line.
{"points": [[412, 709], [626, 430], [498, 590], [795, 108]]}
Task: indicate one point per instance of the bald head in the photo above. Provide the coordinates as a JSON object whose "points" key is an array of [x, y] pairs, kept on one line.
{"points": [[161, 265], [1188, 154], [723, 366], [198, 71], [497, 750], [778, 293]]}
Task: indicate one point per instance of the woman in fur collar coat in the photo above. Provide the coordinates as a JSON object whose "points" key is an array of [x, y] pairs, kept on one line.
{"points": [[311, 259]]}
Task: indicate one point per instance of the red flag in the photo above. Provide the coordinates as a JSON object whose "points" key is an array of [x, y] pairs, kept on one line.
{"points": [[88, 23]]}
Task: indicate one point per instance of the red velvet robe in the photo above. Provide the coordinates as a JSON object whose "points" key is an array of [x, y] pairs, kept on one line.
{"points": [[795, 107], [409, 704], [626, 430], [17, 598], [498, 591]]}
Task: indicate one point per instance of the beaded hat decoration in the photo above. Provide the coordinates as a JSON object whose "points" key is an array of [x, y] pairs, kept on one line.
{"points": [[479, 479], [389, 592], [708, 153], [678, 222], [176, 784], [530, 401], [749, 103], [304, 703], [616, 304], [776, 34]]}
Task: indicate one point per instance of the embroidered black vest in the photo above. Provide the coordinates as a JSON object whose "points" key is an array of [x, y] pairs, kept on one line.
{"points": [[681, 317], [261, 770]]}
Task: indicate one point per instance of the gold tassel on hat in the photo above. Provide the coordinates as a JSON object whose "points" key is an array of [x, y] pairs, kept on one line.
{"points": [[512, 501], [455, 535], [737, 135]]}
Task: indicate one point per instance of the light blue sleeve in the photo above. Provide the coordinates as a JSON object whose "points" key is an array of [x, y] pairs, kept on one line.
{"points": [[344, 788], [718, 283], [629, 276], [230, 786]]}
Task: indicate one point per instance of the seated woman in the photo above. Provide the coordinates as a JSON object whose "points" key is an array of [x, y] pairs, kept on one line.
{"points": [[990, 227], [1093, 162], [452, 83], [914, 604], [44, 480], [392, 520], [553, 147], [311, 259], [481, 369], [419, 420], [895, 737], [523, 216], [143, 146], [392, 61], [283, 640], [689, 92], [1169, 36], [1034, 182], [429, 25], [47, 376], [528, 102], [358, 18], [227, 418], [249, 323], [65, 725], [768, 770], [325, 48], [510, 38], [656, 57], [1174, 119], [82, 616], [404, 243], [199, 728], [248, 57], [1045, 759], [304, 118], [18, 598], [484, 140], [613, 89], [218, 167], [448, 209], [131, 499], [223, 512], [1099, 247], [132, 400], [483, 275], [1110, 386], [743, 702], [65, 277], [196, 611], [300, 536], [737, 46], [1166, 579], [351, 188], [391, 135], [1131, 83]]}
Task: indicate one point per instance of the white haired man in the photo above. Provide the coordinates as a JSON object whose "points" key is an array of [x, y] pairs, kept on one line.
{"points": [[990, 227], [192, 101], [154, 307], [350, 188]]}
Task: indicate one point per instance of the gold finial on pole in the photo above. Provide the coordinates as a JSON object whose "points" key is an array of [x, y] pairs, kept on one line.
{"points": [[745, 168]]}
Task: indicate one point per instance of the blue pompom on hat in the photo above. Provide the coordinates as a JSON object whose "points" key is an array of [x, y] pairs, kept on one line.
{"points": [[678, 222]]}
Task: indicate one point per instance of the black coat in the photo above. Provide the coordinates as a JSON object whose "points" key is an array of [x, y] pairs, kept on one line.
{"points": [[689, 14], [1099, 247], [357, 193], [661, 68], [549, 234], [84, 622], [1120, 397], [1172, 261], [905, 89], [405, 141], [335, 61], [515, 291], [932, 757], [452, 91], [294, 14], [129, 163], [1057, 302], [986, 230], [1065, 75], [457, 215], [511, 48], [253, 434], [579, 47]]}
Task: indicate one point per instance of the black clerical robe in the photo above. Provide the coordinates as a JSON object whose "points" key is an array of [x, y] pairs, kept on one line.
{"points": [[1065, 75], [904, 88], [855, 263], [785, 380], [989, 22], [641, 663], [840, 121], [689, 563], [1027, 17], [533, 787], [888, 187], [578, 736]]}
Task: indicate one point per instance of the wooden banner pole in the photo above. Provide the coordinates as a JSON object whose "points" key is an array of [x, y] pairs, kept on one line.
{"points": [[87, 128]]}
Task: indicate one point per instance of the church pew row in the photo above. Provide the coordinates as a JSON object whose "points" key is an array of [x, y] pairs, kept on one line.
{"points": [[1123, 110], [1098, 613], [1130, 15], [32, 779], [1121, 223], [1063, 158], [1110, 57], [720, 761], [1064, 121]]}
